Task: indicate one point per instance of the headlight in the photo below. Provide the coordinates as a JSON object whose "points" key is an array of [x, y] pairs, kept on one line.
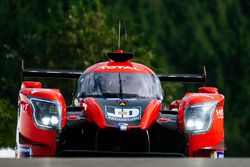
{"points": [[46, 113], [198, 117]]}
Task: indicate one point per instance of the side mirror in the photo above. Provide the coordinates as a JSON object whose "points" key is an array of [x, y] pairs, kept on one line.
{"points": [[28, 84], [208, 90]]}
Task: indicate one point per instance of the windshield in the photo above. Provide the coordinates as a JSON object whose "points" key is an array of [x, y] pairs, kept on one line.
{"points": [[119, 85]]}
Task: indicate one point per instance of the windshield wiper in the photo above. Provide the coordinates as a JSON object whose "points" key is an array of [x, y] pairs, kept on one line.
{"points": [[120, 84]]}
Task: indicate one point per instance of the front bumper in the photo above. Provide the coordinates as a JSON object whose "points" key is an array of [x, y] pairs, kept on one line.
{"points": [[93, 153]]}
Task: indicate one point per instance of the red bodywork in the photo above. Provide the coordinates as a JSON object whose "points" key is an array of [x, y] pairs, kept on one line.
{"points": [[214, 138], [42, 142]]}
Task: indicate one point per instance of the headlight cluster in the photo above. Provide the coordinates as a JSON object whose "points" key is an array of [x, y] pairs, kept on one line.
{"points": [[46, 113], [198, 117]]}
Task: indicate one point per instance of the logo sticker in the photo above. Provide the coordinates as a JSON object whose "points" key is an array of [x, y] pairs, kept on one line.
{"points": [[220, 113], [122, 102], [118, 67], [217, 154], [25, 150], [123, 114], [24, 107]]}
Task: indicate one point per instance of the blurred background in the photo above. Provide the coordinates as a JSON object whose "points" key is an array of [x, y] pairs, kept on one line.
{"points": [[167, 35]]}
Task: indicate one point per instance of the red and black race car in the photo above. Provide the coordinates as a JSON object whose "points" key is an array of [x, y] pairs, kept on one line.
{"points": [[118, 110]]}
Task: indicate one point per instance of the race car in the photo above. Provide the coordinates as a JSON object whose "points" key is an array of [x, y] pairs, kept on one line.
{"points": [[118, 110]]}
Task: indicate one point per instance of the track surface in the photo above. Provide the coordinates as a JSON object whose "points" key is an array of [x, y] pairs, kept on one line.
{"points": [[125, 162]]}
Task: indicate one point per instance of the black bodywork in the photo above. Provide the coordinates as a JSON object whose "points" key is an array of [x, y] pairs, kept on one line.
{"points": [[81, 138]]}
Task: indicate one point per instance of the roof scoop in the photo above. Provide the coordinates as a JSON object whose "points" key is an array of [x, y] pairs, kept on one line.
{"points": [[119, 56]]}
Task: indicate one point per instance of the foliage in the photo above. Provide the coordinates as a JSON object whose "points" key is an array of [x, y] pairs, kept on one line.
{"points": [[52, 34], [185, 35], [8, 123]]}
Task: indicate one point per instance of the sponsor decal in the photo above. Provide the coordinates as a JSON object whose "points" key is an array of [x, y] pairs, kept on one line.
{"points": [[119, 67], [122, 126], [217, 154], [122, 102], [197, 95], [84, 106], [39, 90], [122, 114], [220, 113], [73, 117], [164, 120], [25, 150], [24, 107]]}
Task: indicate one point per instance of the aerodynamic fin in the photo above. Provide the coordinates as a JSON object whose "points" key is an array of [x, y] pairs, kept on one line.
{"points": [[75, 74], [185, 78], [48, 73]]}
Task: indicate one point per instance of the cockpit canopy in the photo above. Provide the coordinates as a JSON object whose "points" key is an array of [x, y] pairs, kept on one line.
{"points": [[119, 85]]}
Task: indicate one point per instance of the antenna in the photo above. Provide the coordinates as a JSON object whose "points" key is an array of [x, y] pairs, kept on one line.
{"points": [[125, 29], [119, 35], [22, 69], [205, 75]]}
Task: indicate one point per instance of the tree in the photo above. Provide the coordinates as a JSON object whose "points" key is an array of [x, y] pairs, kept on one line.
{"points": [[50, 34], [185, 35]]}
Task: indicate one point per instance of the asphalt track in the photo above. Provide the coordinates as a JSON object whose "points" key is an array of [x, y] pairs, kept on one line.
{"points": [[125, 162]]}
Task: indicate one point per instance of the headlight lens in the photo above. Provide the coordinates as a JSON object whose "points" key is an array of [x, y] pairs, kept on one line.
{"points": [[198, 117], [46, 113]]}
